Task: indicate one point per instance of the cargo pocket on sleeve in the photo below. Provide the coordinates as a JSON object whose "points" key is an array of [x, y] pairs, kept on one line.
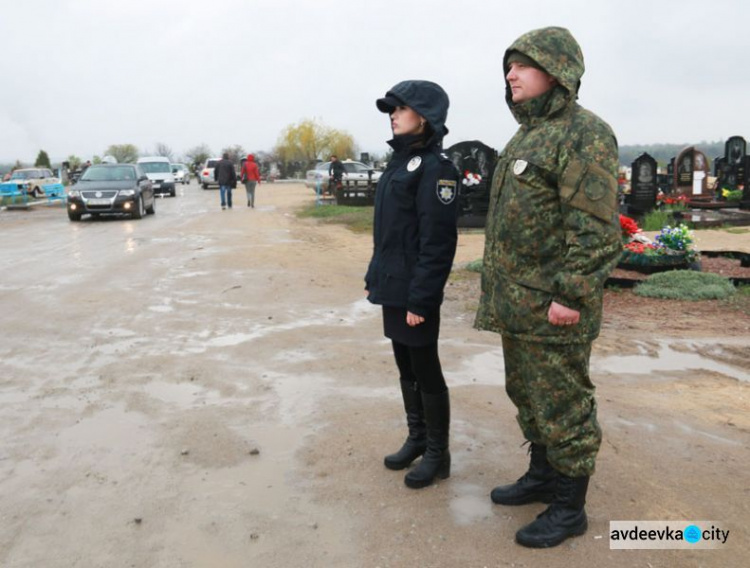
{"points": [[589, 188]]}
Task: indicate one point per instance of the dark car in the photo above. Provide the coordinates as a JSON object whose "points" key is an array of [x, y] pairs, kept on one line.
{"points": [[111, 189]]}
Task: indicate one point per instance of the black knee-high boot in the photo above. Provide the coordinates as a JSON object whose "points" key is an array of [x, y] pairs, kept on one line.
{"points": [[416, 442], [436, 461]]}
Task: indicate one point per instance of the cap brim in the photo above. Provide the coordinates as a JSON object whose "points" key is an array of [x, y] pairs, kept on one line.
{"points": [[388, 103]]}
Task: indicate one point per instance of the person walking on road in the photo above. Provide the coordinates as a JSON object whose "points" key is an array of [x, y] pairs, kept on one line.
{"points": [[226, 176], [552, 238], [414, 243], [250, 176]]}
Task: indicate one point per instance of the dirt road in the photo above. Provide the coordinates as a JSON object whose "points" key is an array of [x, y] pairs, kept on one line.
{"points": [[207, 388]]}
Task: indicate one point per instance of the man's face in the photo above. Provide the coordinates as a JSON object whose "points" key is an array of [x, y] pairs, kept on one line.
{"points": [[528, 82]]}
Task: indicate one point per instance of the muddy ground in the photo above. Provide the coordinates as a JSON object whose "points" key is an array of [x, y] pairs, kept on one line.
{"points": [[208, 388]]}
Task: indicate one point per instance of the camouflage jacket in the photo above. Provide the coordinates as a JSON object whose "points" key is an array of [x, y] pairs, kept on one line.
{"points": [[552, 230]]}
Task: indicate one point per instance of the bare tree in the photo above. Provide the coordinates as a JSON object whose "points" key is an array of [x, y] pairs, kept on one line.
{"points": [[235, 151], [198, 154], [164, 150]]}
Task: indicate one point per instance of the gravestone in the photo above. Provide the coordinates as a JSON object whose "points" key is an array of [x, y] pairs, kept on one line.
{"points": [[735, 150], [745, 201], [691, 173], [473, 158], [720, 164], [643, 185], [733, 171]]}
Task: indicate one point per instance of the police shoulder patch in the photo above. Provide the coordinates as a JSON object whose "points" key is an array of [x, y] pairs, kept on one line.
{"points": [[446, 190]]}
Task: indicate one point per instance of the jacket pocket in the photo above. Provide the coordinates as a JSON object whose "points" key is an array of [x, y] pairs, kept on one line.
{"points": [[589, 188]]}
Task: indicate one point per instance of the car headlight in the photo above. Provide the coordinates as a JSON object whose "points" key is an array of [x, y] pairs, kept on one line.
{"points": [[127, 192], [74, 193]]}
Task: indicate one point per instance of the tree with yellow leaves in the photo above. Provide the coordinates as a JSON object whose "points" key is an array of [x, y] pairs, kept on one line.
{"points": [[310, 141]]}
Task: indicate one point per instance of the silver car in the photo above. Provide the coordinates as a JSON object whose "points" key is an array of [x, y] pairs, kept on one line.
{"points": [[181, 173], [356, 172], [207, 173]]}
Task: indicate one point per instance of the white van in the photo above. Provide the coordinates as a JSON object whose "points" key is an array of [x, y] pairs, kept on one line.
{"points": [[159, 171]]}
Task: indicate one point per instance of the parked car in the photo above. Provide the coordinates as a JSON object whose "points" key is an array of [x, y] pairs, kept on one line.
{"points": [[207, 173], [33, 181], [181, 173], [111, 189], [159, 171], [355, 171]]}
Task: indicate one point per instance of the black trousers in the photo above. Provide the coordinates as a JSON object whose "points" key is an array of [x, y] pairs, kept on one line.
{"points": [[420, 364]]}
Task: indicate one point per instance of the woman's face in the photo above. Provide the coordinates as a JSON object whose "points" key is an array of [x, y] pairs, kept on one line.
{"points": [[405, 121]]}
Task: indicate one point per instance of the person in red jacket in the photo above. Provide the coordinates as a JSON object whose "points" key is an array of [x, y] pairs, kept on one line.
{"points": [[250, 175]]}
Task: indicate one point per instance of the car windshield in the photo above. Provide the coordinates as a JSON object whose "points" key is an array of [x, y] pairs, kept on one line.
{"points": [[212, 163], [323, 166], [178, 168], [103, 173], [26, 174], [155, 167]]}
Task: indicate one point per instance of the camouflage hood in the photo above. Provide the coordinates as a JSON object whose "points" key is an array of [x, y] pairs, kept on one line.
{"points": [[557, 51]]}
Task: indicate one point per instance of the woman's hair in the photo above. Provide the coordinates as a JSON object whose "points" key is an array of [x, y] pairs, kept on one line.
{"points": [[426, 137]]}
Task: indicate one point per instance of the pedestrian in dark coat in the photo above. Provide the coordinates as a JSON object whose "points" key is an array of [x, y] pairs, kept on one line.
{"points": [[226, 176], [415, 238]]}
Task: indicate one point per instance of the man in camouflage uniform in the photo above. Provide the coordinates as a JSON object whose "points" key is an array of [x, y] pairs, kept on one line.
{"points": [[552, 238]]}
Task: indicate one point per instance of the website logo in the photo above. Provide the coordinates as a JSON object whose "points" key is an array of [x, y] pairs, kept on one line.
{"points": [[687, 535]]}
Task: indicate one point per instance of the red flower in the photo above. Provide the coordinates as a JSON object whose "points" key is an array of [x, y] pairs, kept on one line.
{"points": [[628, 226]]}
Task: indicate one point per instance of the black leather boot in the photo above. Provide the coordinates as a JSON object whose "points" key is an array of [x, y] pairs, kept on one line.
{"points": [[416, 442], [436, 461], [536, 485], [564, 518]]}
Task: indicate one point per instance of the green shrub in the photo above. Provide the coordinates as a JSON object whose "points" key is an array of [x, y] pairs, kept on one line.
{"points": [[685, 285], [475, 266], [656, 220]]}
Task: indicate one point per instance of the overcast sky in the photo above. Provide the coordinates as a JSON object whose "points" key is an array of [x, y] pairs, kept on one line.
{"points": [[79, 75]]}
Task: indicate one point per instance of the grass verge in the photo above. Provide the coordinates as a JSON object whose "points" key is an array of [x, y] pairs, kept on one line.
{"points": [[357, 219]]}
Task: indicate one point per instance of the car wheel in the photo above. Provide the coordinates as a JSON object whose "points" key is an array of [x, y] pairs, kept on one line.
{"points": [[205, 186], [140, 211], [74, 216]]}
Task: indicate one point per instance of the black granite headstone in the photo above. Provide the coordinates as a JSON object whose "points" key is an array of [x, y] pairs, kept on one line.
{"points": [[735, 150], [643, 185], [720, 163], [473, 158]]}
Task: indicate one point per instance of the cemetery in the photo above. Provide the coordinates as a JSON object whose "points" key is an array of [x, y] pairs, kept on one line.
{"points": [[689, 200]]}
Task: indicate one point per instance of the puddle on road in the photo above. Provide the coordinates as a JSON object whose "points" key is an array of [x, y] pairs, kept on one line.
{"points": [[347, 315], [486, 368], [470, 505], [668, 360], [183, 395], [108, 429], [297, 396]]}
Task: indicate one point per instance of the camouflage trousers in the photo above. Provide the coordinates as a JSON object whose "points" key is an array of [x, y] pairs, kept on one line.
{"points": [[550, 386]]}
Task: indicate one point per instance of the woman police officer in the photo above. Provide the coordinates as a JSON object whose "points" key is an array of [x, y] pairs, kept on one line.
{"points": [[414, 236]]}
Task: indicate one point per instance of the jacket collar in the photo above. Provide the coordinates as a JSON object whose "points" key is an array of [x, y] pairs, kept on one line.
{"points": [[537, 110]]}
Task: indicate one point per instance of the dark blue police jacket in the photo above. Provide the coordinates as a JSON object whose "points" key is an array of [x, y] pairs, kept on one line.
{"points": [[414, 234]]}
